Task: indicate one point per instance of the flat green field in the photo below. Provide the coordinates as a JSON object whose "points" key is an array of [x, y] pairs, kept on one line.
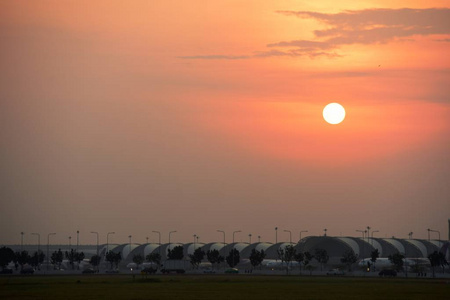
{"points": [[219, 287]]}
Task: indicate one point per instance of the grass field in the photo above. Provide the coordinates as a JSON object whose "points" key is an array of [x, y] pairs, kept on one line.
{"points": [[219, 287]]}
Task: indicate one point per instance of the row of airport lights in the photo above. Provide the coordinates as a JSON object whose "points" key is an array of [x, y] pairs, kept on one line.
{"points": [[365, 233]]}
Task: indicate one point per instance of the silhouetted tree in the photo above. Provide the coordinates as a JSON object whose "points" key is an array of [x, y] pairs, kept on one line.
{"points": [[57, 258], [176, 253], [373, 256], [197, 257], [321, 256], [437, 259], [109, 257], [37, 259], [117, 259], [6, 256], [233, 258], [22, 258], [257, 257], [138, 260], [71, 257], [214, 257], [154, 258], [95, 261], [349, 258], [299, 257], [397, 261], [79, 258], [308, 258], [287, 255]]}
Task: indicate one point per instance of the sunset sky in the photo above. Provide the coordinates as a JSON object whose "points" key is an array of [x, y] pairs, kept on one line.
{"points": [[134, 116]]}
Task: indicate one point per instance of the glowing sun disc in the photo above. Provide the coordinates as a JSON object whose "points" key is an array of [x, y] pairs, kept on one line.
{"points": [[334, 113]]}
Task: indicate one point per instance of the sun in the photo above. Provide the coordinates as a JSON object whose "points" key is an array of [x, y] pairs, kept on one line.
{"points": [[334, 113]]}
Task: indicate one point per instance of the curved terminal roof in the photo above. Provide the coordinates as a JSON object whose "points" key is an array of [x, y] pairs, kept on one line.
{"points": [[335, 247]]}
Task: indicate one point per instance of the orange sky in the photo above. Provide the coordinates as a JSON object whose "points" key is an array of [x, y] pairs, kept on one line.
{"points": [[133, 116]]}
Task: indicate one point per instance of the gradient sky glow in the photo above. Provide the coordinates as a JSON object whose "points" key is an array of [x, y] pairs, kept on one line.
{"points": [[134, 116]]}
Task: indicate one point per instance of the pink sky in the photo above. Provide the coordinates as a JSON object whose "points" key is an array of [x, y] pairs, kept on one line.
{"points": [[202, 115]]}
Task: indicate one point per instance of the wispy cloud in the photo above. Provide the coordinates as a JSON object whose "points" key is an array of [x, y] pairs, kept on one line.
{"points": [[215, 57], [370, 26]]}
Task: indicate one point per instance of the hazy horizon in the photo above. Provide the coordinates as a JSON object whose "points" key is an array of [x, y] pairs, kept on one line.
{"points": [[207, 115]]}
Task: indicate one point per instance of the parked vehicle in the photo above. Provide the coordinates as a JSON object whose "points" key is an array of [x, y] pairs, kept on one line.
{"points": [[387, 273], [336, 272], [148, 271], [27, 271], [174, 266], [209, 271], [232, 271]]}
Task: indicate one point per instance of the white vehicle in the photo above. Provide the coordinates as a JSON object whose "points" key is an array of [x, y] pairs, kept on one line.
{"points": [[336, 272], [175, 266]]}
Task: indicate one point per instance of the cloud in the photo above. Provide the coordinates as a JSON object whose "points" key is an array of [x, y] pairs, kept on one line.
{"points": [[369, 26], [215, 57]]}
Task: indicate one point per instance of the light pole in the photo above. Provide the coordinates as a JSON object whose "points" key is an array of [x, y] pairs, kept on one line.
{"points": [[223, 235], [290, 235], [198, 239], [94, 232], [39, 239], [169, 236], [70, 242], [147, 239], [250, 238], [107, 240], [48, 246], [428, 233], [259, 239], [159, 233], [300, 237], [325, 232], [195, 236], [439, 234], [38, 250], [233, 235], [276, 235], [362, 231], [410, 234], [78, 236], [130, 236], [21, 241], [234, 244], [373, 231], [368, 233]]}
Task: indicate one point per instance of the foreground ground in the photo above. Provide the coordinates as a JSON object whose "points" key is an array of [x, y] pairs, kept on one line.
{"points": [[219, 287]]}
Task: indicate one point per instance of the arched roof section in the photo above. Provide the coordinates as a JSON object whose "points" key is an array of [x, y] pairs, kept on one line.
{"points": [[420, 246], [272, 250], [190, 248], [238, 246], [387, 248], [437, 243], [376, 245], [365, 248], [165, 249], [398, 246], [335, 247], [127, 250], [412, 251], [248, 250], [351, 243], [213, 246], [257, 246], [430, 246]]}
